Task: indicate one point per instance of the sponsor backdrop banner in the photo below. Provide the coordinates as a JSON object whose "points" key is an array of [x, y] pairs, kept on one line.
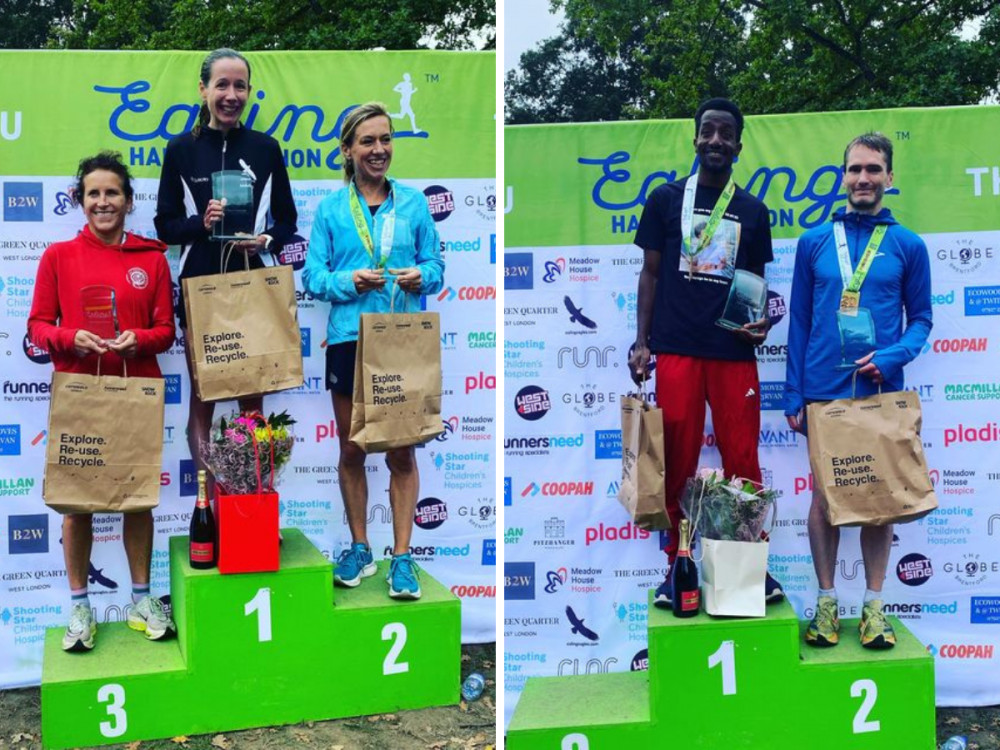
{"points": [[569, 318], [56, 108]]}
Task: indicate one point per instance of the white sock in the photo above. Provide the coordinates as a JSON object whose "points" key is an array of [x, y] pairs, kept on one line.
{"points": [[872, 595], [832, 593]]}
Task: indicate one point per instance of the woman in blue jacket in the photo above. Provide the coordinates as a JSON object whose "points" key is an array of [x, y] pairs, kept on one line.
{"points": [[367, 240]]}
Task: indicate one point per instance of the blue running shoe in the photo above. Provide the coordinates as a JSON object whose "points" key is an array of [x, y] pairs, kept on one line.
{"points": [[772, 590], [353, 565], [402, 578], [664, 596]]}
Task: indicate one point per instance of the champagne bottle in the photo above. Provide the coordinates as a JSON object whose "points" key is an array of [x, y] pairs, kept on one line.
{"points": [[202, 549], [684, 577]]}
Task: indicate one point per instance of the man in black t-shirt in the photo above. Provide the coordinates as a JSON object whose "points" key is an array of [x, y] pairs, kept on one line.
{"points": [[683, 287]]}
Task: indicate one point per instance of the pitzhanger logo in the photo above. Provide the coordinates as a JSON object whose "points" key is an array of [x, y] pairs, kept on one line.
{"points": [[554, 269]]}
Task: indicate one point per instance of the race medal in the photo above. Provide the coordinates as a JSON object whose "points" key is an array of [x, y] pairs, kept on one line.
{"points": [[849, 302]]}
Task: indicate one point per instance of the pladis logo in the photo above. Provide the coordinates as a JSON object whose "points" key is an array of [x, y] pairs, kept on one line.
{"points": [[988, 433], [601, 533], [480, 382], [518, 271], [553, 270], [518, 581], [293, 252], [431, 513], [914, 569], [28, 534], [441, 202], [966, 651], [172, 389], [449, 425], [489, 555], [36, 354], [22, 201], [10, 440], [532, 403]]}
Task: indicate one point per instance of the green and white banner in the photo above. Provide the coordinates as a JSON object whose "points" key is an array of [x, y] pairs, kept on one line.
{"points": [[573, 198], [57, 107]]}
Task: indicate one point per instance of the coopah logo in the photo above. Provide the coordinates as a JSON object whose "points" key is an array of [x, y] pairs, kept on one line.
{"points": [[518, 271], [22, 201], [28, 534], [172, 389], [10, 440], [518, 581]]}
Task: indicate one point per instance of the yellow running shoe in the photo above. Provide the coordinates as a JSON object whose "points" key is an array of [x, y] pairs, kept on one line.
{"points": [[824, 628], [876, 632]]}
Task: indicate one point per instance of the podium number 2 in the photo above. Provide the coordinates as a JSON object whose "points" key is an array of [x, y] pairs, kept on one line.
{"points": [[395, 632], [869, 690], [575, 741], [114, 696], [261, 604], [726, 656]]}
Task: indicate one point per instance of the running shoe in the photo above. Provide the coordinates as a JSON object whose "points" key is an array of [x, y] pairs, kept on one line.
{"points": [[402, 578], [664, 596], [772, 590], [149, 617], [876, 632], [353, 565], [81, 631], [824, 628]]}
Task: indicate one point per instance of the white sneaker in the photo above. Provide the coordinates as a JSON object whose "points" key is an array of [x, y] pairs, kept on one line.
{"points": [[81, 631], [148, 617]]}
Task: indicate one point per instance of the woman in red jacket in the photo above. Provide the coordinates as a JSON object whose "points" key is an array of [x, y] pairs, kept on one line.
{"points": [[132, 273]]}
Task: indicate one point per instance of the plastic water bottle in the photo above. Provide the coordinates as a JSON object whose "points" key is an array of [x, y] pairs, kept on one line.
{"points": [[958, 742], [473, 686]]}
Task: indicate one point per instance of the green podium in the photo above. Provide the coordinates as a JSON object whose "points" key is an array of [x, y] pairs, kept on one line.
{"points": [[750, 683], [254, 650]]}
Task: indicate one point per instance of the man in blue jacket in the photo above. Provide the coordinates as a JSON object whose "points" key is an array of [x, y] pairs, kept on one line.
{"points": [[862, 260]]}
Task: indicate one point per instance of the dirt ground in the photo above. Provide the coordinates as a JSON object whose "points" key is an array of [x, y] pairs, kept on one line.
{"points": [[460, 727]]}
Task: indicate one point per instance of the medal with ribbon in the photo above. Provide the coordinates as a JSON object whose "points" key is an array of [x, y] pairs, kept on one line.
{"points": [[690, 250], [850, 298]]}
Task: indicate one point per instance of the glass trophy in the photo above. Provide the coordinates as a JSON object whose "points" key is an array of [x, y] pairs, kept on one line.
{"points": [[747, 301], [100, 311], [857, 336], [235, 190]]}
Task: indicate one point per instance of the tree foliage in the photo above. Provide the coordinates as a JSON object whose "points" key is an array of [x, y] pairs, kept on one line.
{"points": [[768, 55], [253, 24]]}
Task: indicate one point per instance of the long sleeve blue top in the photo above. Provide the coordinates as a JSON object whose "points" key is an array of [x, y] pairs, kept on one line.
{"points": [[898, 282], [336, 251]]}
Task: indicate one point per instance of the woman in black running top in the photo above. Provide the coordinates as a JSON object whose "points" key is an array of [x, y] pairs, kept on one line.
{"points": [[186, 211]]}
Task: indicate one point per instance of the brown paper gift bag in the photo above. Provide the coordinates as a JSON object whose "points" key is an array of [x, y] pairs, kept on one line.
{"points": [[244, 331], [397, 381], [105, 443], [643, 464], [868, 460]]}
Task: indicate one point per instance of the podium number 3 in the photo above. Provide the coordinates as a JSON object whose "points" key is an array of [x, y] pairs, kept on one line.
{"points": [[726, 656], [869, 690], [395, 632], [114, 696], [261, 604]]}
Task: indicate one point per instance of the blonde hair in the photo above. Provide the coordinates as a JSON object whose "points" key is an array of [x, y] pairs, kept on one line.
{"points": [[354, 118]]}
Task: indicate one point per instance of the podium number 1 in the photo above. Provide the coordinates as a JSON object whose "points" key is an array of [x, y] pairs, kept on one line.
{"points": [[261, 604], [114, 696], [395, 632], [726, 656]]}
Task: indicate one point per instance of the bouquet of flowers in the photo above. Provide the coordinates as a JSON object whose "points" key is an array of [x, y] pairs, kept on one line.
{"points": [[247, 451], [732, 510]]}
